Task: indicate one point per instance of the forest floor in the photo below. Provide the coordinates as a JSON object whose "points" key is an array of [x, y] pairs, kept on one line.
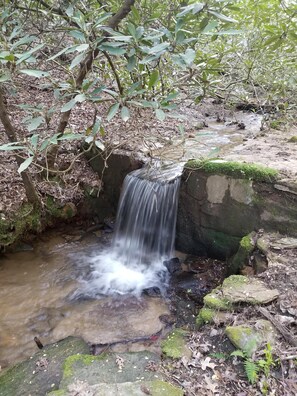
{"points": [[210, 370]]}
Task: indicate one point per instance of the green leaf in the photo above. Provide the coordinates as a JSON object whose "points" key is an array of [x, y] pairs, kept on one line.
{"points": [[68, 106], [34, 123], [76, 61], [80, 98], [238, 352], [125, 114], [222, 17], [160, 114], [112, 50], [158, 48], [11, 147], [58, 54], [131, 63], [154, 77], [251, 370], [189, 56], [70, 136], [5, 77], [34, 140], [82, 47], [22, 41], [35, 73], [96, 126], [112, 111], [25, 164], [44, 144], [27, 54], [77, 35]]}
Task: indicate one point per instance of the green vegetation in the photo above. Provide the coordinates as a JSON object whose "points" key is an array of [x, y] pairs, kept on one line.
{"points": [[234, 169], [26, 219], [129, 54], [293, 139], [174, 345]]}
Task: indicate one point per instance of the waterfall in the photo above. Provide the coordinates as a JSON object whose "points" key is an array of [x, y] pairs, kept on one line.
{"points": [[144, 234]]}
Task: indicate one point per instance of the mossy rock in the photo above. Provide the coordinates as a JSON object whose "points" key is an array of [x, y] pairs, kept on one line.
{"points": [[249, 339], [174, 346], [293, 139], [43, 372], [137, 388], [106, 368], [241, 258], [27, 218], [216, 301], [235, 169]]}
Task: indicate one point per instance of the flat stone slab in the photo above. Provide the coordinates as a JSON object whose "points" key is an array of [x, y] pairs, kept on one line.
{"points": [[41, 373], [110, 368], [239, 288], [112, 320], [138, 388], [124, 374]]}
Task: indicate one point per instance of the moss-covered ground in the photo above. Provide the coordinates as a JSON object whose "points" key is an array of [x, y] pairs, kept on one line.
{"points": [[234, 169]]}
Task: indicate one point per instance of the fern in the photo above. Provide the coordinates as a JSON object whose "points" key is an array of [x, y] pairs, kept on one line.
{"points": [[251, 370]]}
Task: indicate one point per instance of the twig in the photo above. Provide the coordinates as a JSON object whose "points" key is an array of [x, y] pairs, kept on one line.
{"points": [[288, 336]]}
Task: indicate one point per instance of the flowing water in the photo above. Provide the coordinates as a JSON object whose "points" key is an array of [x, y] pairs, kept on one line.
{"points": [[144, 235], [37, 286]]}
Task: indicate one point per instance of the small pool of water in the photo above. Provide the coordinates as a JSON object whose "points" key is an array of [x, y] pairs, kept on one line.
{"points": [[37, 285]]}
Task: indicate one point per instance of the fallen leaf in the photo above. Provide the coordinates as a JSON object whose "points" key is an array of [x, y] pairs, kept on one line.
{"points": [[206, 364]]}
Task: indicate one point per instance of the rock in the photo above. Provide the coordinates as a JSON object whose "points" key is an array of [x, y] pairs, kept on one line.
{"points": [[174, 346], [249, 338], [123, 374], [42, 373], [242, 257], [152, 292], [208, 315], [173, 265], [238, 288], [138, 388]]}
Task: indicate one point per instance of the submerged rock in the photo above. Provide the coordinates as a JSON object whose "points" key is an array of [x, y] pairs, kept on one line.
{"points": [[43, 372]]}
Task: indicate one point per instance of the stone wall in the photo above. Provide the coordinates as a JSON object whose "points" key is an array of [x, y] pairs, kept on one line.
{"points": [[217, 210], [112, 169]]}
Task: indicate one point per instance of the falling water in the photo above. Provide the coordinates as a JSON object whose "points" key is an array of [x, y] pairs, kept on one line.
{"points": [[144, 234]]}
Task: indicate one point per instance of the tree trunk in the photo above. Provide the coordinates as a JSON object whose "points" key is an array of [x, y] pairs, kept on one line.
{"points": [[31, 193], [84, 70]]}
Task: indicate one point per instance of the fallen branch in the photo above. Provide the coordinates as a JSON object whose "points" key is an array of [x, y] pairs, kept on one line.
{"points": [[288, 336]]}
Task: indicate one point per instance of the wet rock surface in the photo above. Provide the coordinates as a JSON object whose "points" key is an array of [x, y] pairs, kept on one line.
{"points": [[43, 372]]}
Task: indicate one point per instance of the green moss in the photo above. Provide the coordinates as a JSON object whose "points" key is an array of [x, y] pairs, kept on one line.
{"points": [[84, 359], [235, 281], [174, 345], [293, 139], [241, 257], [247, 243], [161, 388], [235, 169], [59, 392], [206, 315], [53, 208], [26, 219], [244, 338], [214, 300]]}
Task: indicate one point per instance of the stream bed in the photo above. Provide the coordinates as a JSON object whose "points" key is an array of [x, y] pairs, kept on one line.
{"points": [[37, 285]]}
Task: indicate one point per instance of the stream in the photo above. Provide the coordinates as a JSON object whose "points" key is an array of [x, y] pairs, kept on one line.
{"points": [[37, 285]]}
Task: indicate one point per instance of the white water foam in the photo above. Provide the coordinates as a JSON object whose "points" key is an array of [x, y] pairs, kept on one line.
{"points": [[144, 236]]}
